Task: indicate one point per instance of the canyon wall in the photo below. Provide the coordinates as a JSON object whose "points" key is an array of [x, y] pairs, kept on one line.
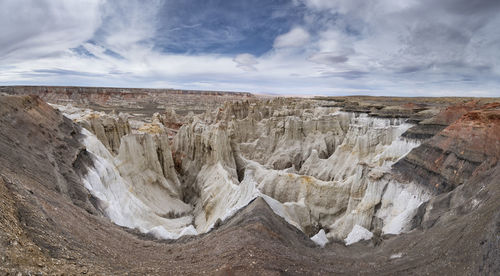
{"points": [[318, 167], [145, 101], [61, 186]]}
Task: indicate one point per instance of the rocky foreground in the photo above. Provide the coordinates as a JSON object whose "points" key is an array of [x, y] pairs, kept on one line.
{"points": [[281, 186]]}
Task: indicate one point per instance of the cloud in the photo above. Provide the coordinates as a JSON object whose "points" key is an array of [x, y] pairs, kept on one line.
{"points": [[246, 62], [126, 23], [36, 28], [328, 58], [406, 47], [296, 37], [348, 75], [62, 72], [390, 36]]}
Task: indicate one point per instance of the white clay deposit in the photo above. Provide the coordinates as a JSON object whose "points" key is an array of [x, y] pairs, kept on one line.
{"points": [[318, 168], [358, 233], [320, 238]]}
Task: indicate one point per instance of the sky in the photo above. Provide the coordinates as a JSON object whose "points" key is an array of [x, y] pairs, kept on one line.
{"points": [[288, 47]]}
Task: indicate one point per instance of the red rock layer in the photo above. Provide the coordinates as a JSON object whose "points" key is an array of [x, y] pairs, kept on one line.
{"points": [[467, 146]]}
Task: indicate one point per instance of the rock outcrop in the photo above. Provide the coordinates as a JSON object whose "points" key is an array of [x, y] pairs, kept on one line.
{"points": [[147, 159], [297, 155], [466, 147], [108, 129], [431, 126], [324, 168], [42, 142], [136, 188]]}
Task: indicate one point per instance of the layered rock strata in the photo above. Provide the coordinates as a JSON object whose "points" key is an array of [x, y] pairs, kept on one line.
{"points": [[466, 147]]}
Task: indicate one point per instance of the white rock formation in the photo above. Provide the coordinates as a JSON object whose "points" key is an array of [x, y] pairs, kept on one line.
{"points": [[108, 128], [146, 161], [320, 238], [344, 187], [357, 234], [316, 167], [136, 205]]}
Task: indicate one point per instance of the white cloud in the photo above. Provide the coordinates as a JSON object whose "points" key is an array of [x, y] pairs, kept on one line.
{"points": [[369, 47], [296, 37], [246, 62], [127, 23], [36, 28], [328, 58]]}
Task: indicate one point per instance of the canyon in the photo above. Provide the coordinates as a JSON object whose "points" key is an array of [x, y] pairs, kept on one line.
{"points": [[115, 181]]}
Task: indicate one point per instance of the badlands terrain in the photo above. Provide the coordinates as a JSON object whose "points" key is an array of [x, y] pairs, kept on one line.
{"points": [[141, 181]]}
